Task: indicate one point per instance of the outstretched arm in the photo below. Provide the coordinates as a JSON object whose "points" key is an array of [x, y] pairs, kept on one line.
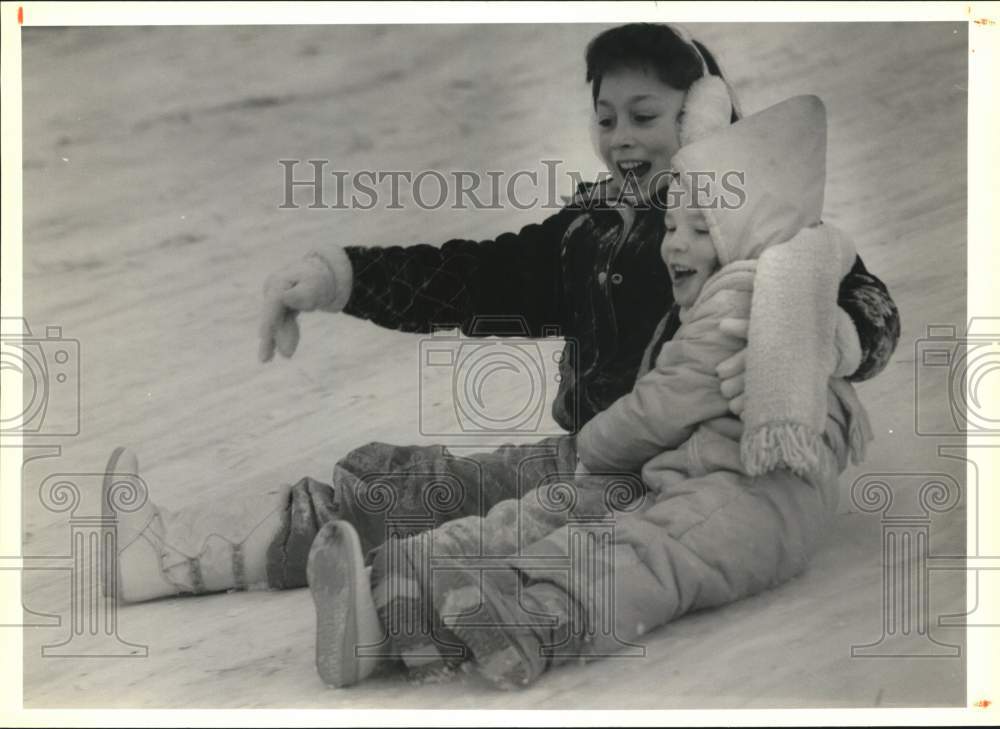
{"points": [[417, 288], [511, 285]]}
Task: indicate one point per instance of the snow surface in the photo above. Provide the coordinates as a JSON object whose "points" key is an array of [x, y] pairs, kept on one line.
{"points": [[151, 194]]}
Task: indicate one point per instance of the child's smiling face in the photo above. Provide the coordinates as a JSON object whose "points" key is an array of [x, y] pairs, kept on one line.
{"points": [[637, 127], [688, 250]]}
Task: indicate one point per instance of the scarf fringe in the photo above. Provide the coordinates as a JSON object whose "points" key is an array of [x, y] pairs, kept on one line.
{"points": [[798, 447], [777, 444]]}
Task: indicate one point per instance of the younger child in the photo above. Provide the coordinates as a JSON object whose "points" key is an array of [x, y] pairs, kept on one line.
{"points": [[717, 525]]}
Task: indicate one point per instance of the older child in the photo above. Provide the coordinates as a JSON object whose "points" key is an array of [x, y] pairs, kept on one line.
{"points": [[591, 270]]}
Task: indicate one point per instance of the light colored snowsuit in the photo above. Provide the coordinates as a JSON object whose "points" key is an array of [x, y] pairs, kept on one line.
{"points": [[704, 533], [707, 533]]}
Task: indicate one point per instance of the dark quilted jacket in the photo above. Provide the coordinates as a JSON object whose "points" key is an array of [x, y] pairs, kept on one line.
{"points": [[591, 273]]}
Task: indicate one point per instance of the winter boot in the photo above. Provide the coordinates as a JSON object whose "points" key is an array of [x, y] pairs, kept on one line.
{"points": [[402, 590], [512, 630], [209, 547], [348, 633]]}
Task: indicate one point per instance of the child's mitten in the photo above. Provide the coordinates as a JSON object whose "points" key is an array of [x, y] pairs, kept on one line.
{"points": [[318, 281]]}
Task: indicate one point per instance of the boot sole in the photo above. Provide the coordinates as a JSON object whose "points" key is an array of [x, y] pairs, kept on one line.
{"points": [[345, 612]]}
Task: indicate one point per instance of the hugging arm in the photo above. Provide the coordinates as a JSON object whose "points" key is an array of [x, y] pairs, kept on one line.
{"points": [[866, 337], [875, 316]]}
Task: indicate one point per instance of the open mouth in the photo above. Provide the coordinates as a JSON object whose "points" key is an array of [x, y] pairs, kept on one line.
{"points": [[636, 168], [680, 274]]}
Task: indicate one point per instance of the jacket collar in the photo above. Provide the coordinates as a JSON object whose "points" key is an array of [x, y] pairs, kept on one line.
{"points": [[608, 193]]}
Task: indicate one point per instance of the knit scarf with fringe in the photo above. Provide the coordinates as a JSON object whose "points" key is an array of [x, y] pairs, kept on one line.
{"points": [[790, 354]]}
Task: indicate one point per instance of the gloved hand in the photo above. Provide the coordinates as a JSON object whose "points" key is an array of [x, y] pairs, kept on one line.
{"points": [[846, 353], [317, 281]]}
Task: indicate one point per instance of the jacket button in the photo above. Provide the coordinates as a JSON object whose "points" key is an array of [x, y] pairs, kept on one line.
{"points": [[616, 278], [602, 277]]}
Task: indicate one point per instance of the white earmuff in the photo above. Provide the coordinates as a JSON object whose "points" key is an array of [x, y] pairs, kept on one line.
{"points": [[709, 104], [707, 109]]}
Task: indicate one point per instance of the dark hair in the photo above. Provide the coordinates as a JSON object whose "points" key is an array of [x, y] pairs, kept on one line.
{"points": [[648, 46]]}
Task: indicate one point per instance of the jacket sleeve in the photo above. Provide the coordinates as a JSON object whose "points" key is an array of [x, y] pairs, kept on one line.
{"points": [[866, 299], [510, 285], [668, 402]]}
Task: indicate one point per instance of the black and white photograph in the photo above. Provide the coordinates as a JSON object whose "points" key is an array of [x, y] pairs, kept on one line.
{"points": [[579, 361]]}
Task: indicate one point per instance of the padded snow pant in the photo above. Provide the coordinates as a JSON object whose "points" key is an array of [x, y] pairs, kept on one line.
{"points": [[611, 558], [611, 562], [701, 543]]}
